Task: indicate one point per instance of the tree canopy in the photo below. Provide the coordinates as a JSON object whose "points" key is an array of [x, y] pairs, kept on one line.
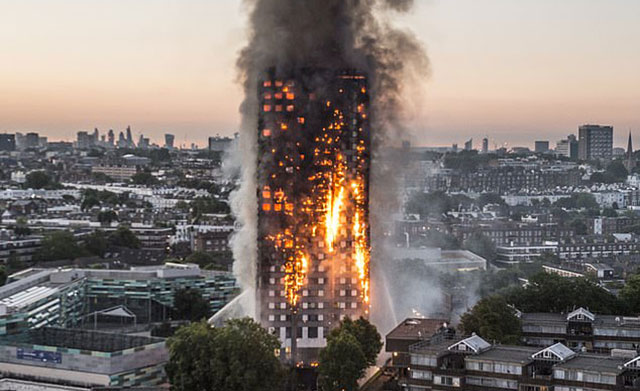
{"points": [[239, 356], [552, 293], [479, 244], [493, 319], [144, 178], [38, 180], [578, 201], [630, 294], [341, 363], [365, 333], [124, 237], [59, 245], [189, 304], [351, 349]]}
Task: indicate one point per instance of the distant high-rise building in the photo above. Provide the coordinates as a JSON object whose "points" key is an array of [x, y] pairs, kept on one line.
{"points": [[7, 142], [31, 140], [454, 147], [595, 142], [485, 145], [219, 144], [468, 146], [122, 141], [112, 137], [130, 143], [143, 142], [542, 147], [96, 136], [630, 161], [568, 147], [168, 140], [85, 140]]}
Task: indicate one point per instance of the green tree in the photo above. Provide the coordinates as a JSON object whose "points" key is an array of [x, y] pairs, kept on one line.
{"points": [[59, 245], [89, 201], [579, 227], [124, 237], [96, 243], [497, 281], [21, 230], [342, 363], [189, 304], [490, 198], [552, 293], [37, 180], [107, 217], [3, 275], [182, 206], [365, 333], [239, 356], [493, 319], [617, 171], [479, 244], [630, 294], [351, 349], [14, 264], [145, 179], [609, 212]]}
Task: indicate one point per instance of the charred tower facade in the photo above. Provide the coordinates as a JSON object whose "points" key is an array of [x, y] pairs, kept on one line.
{"points": [[313, 194]]}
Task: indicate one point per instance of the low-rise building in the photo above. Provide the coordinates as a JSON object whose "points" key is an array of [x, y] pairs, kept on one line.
{"points": [[447, 261], [63, 297], [84, 358], [582, 329], [446, 362]]}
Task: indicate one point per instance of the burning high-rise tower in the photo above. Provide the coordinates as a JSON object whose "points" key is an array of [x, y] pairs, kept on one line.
{"points": [[313, 195], [323, 81]]}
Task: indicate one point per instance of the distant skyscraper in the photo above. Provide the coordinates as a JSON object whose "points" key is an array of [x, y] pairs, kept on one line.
{"points": [[468, 146], [595, 142], [112, 137], [122, 141], [85, 140], [96, 136], [130, 143], [630, 162], [542, 147], [219, 144], [168, 140], [32, 140], [7, 142], [568, 147], [143, 142], [485, 145]]}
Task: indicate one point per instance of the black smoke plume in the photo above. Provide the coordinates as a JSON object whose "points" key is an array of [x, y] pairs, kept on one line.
{"points": [[322, 34]]}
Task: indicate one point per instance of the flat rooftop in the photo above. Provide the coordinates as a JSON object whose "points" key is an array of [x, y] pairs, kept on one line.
{"points": [[416, 328], [595, 363], [89, 340], [512, 354]]}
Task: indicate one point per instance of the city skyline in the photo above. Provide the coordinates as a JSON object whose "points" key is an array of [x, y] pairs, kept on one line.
{"points": [[170, 69]]}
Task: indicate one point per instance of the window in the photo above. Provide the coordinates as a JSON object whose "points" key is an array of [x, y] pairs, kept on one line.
{"points": [[421, 375], [313, 332]]}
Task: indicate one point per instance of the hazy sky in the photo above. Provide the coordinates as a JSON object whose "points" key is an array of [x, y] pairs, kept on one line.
{"points": [[515, 71]]}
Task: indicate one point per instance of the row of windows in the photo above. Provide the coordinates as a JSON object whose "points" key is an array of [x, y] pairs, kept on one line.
{"points": [[495, 367], [320, 293], [588, 377]]}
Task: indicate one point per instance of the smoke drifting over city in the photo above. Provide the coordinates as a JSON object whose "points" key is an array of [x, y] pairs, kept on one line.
{"points": [[333, 35]]}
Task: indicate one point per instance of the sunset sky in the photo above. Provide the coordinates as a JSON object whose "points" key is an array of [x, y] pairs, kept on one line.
{"points": [[514, 71]]}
